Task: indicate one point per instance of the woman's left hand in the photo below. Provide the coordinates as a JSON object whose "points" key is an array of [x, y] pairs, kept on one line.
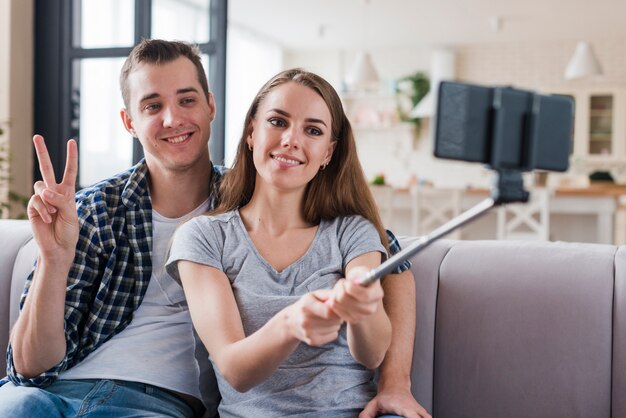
{"points": [[354, 302]]}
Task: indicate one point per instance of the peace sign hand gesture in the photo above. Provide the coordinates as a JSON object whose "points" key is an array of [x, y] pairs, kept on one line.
{"points": [[52, 209]]}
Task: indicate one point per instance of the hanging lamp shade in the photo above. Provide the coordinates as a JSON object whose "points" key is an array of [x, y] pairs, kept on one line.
{"points": [[362, 74], [583, 63]]}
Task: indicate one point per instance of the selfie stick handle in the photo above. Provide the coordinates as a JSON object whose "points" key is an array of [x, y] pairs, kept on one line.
{"points": [[508, 187]]}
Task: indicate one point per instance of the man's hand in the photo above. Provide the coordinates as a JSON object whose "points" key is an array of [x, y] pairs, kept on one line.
{"points": [[394, 401], [38, 337], [52, 209], [394, 382]]}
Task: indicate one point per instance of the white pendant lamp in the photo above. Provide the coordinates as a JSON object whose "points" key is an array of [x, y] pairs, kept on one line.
{"points": [[363, 74], [441, 68], [583, 63]]}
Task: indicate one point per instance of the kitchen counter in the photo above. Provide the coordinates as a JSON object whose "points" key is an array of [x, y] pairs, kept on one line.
{"points": [[594, 189]]}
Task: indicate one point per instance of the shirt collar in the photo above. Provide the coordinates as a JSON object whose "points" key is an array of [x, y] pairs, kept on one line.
{"points": [[137, 184]]}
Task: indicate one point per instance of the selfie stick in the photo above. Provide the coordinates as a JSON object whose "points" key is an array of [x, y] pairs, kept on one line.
{"points": [[508, 187]]}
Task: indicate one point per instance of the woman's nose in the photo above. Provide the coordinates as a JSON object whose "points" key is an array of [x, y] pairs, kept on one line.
{"points": [[291, 138]]}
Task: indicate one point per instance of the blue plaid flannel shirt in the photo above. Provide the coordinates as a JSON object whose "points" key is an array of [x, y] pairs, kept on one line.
{"points": [[112, 266]]}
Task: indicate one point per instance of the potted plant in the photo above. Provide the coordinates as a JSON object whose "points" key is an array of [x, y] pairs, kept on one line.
{"points": [[410, 90], [4, 174], [10, 196]]}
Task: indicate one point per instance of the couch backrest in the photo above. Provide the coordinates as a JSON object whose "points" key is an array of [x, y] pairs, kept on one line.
{"points": [[516, 329]]}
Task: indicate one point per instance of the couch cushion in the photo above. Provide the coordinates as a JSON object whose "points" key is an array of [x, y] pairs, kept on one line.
{"points": [[524, 329]]}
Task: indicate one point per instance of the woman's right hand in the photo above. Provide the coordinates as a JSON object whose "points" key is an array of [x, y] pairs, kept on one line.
{"points": [[52, 208], [312, 321]]}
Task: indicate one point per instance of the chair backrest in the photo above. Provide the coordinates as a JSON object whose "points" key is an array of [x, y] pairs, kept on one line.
{"points": [[526, 221], [431, 208], [384, 198]]}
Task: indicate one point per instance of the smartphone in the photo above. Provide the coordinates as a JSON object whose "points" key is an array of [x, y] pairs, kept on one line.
{"points": [[503, 127]]}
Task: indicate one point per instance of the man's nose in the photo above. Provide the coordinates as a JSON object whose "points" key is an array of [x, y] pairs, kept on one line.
{"points": [[172, 117]]}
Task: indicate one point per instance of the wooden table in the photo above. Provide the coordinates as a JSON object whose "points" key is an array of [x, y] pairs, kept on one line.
{"points": [[606, 199]]}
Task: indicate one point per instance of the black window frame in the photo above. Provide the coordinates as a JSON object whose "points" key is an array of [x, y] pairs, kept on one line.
{"points": [[55, 105]]}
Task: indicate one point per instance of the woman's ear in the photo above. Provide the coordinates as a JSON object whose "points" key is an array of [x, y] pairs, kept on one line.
{"points": [[249, 136], [329, 152]]}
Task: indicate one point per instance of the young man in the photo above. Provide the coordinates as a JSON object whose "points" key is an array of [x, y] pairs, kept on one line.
{"points": [[103, 329]]}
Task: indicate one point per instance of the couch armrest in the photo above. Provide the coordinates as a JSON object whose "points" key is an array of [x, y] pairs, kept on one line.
{"points": [[14, 235]]}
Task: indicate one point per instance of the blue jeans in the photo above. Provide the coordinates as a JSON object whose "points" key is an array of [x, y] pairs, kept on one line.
{"points": [[91, 398]]}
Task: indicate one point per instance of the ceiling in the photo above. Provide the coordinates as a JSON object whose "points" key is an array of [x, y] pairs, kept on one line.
{"points": [[356, 24]]}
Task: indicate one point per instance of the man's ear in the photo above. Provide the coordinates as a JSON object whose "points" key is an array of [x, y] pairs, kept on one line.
{"points": [[127, 120], [211, 101]]}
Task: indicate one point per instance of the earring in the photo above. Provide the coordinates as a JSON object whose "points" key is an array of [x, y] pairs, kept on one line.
{"points": [[323, 166], [250, 147]]}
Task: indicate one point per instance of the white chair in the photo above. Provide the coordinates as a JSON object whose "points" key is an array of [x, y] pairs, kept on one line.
{"points": [[431, 208], [384, 198], [526, 221]]}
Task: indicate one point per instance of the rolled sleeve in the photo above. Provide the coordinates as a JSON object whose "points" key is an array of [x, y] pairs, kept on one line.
{"points": [[394, 248]]}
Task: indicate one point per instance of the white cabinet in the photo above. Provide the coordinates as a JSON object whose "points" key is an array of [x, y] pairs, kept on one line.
{"points": [[599, 126]]}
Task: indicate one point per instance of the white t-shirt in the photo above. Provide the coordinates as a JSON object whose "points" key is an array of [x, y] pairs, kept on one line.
{"points": [[159, 346]]}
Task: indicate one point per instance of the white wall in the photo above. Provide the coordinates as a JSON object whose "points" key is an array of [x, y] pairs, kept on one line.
{"points": [[4, 77], [251, 61], [16, 89]]}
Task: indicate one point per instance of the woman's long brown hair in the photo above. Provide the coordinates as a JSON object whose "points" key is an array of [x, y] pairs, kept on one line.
{"points": [[338, 190]]}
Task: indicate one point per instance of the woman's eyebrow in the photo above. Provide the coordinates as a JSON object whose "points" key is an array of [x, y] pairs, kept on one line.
{"points": [[287, 114]]}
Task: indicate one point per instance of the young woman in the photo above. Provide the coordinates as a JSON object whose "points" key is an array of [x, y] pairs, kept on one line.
{"points": [[264, 274]]}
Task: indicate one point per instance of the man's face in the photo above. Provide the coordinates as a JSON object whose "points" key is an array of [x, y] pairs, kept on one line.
{"points": [[170, 114]]}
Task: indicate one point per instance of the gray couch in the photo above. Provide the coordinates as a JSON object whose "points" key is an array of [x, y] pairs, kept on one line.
{"points": [[504, 329]]}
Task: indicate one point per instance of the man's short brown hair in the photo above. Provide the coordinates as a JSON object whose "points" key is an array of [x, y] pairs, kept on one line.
{"points": [[158, 51]]}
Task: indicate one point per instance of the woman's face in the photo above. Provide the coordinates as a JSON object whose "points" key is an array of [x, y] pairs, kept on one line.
{"points": [[291, 137]]}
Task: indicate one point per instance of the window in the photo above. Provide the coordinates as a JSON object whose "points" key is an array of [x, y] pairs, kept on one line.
{"points": [[80, 48], [246, 50]]}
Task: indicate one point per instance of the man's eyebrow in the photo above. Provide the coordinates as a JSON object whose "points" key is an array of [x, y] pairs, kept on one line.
{"points": [[184, 90], [187, 90], [149, 97], [284, 113]]}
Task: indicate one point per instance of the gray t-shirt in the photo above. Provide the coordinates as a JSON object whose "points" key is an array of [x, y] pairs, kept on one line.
{"points": [[312, 381]]}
